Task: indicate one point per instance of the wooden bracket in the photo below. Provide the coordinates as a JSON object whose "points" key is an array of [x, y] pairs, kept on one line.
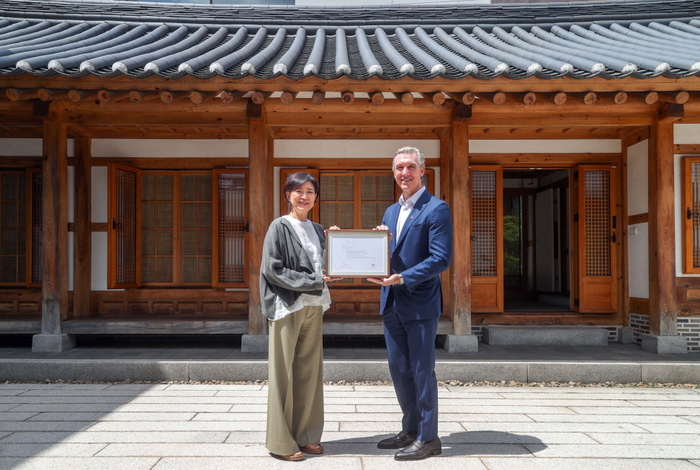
{"points": [[41, 108], [253, 110], [670, 112], [462, 111]]}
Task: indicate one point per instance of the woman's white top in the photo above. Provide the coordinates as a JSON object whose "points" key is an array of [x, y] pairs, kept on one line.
{"points": [[312, 245]]}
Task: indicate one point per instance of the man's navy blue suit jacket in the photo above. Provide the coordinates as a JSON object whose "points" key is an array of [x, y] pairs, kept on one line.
{"points": [[420, 254]]}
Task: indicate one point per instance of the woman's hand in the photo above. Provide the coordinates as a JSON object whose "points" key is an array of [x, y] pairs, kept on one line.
{"points": [[327, 278], [333, 227]]}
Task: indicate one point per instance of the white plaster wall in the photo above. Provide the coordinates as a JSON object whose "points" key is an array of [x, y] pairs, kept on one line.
{"points": [[99, 261], [169, 148], [638, 236], [546, 146], [638, 178], [71, 259], [98, 195], [351, 148], [27, 148], [686, 133], [682, 134]]}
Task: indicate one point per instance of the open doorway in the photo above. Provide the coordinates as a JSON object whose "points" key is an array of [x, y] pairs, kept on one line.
{"points": [[536, 240]]}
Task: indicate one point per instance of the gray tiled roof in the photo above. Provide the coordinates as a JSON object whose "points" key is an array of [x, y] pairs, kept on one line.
{"points": [[75, 38]]}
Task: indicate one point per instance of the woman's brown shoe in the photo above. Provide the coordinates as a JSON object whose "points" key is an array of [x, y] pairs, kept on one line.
{"points": [[312, 449], [292, 457]]}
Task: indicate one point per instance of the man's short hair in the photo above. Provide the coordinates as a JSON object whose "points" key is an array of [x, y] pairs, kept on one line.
{"points": [[413, 150]]}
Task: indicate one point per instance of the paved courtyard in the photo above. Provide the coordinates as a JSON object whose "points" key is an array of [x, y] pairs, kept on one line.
{"points": [[192, 426]]}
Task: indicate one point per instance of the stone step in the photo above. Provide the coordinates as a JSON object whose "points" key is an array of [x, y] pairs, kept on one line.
{"points": [[554, 335]]}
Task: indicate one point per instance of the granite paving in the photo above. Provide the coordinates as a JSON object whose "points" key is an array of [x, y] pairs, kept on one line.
{"points": [[144, 427]]}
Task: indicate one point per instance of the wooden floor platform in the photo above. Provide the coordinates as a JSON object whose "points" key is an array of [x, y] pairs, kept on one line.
{"points": [[336, 325]]}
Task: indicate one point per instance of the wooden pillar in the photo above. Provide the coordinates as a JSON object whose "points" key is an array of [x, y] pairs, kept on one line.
{"points": [[663, 308], [460, 205], [54, 306], [445, 195], [259, 198], [82, 242]]}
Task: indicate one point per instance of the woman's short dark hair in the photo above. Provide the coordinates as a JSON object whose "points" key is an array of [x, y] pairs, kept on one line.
{"points": [[296, 181]]}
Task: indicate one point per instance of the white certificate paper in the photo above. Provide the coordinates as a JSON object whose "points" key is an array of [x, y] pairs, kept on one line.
{"points": [[357, 253]]}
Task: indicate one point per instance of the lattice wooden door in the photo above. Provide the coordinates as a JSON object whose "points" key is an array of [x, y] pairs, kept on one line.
{"points": [[123, 228], [596, 188], [487, 238]]}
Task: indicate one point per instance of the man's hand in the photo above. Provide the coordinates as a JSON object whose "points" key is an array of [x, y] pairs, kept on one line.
{"points": [[382, 227], [386, 281]]}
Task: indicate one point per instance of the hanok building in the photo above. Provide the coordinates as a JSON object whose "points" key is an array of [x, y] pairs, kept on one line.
{"points": [[143, 147]]}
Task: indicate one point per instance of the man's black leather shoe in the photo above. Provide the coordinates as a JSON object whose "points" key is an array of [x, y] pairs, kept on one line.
{"points": [[420, 450], [398, 441]]}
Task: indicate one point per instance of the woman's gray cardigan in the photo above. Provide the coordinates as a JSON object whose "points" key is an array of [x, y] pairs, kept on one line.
{"points": [[286, 270]]}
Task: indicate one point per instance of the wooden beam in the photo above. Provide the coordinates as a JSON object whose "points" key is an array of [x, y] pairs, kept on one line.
{"points": [[77, 96], [348, 97], [556, 98], [691, 149], [259, 193], [663, 308], [377, 98], [585, 98], [679, 97], [141, 96], [481, 119], [55, 225], [82, 271], [106, 96], [19, 94], [545, 160], [228, 97], [168, 97], [638, 219], [646, 98], [495, 98], [460, 198], [251, 83], [199, 97], [615, 98], [318, 97], [52, 95], [286, 97], [312, 118], [174, 163], [259, 97], [405, 98], [437, 98], [464, 98]]}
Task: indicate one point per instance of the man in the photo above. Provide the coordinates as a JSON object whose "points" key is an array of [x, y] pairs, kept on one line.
{"points": [[411, 304]]}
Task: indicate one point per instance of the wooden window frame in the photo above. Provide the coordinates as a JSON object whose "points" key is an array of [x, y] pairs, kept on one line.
{"points": [[111, 230], [215, 230], [689, 214], [29, 228]]}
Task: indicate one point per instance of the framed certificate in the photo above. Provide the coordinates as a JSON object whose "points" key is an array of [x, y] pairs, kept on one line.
{"points": [[357, 253]]}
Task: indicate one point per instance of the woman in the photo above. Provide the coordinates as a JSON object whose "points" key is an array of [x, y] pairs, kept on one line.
{"points": [[294, 297]]}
